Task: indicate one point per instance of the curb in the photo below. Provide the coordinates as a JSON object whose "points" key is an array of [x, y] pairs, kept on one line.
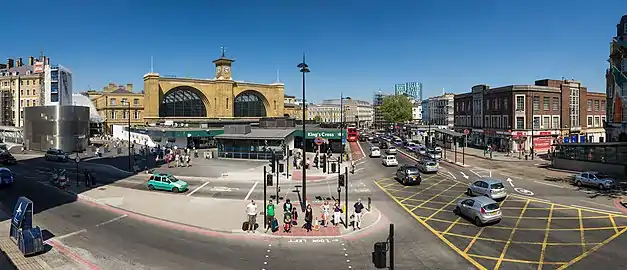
{"points": [[620, 205]]}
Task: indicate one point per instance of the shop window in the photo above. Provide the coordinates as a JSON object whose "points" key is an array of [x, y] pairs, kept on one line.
{"points": [[589, 121], [597, 121]]}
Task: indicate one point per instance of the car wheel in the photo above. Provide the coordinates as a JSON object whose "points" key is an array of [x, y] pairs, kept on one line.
{"points": [[151, 187], [175, 190], [578, 183], [478, 222], [601, 187], [469, 192], [457, 211]]}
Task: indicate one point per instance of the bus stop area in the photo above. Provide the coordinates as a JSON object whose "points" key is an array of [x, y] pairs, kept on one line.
{"points": [[609, 158]]}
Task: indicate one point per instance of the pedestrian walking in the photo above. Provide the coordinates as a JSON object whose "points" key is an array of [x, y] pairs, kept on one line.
{"points": [[86, 174], [294, 216], [308, 218], [270, 214], [359, 207], [251, 211], [287, 206], [337, 212], [326, 212]]}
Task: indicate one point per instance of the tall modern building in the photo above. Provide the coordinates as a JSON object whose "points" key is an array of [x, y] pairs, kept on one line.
{"points": [[58, 85], [378, 121], [616, 85], [411, 89]]}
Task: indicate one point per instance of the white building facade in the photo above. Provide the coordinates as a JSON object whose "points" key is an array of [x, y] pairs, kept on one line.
{"points": [[58, 85], [416, 111], [441, 110], [355, 111]]}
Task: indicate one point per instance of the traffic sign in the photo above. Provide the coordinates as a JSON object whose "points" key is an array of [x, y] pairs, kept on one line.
{"points": [[466, 132], [319, 140], [343, 140]]}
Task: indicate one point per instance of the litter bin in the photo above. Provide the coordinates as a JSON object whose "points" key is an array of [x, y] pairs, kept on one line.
{"points": [[119, 150], [281, 167], [31, 241], [333, 167]]}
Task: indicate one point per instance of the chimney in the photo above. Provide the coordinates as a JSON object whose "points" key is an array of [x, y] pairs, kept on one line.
{"points": [[19, 62], [10, 63], [129, 87], [31, 61]]}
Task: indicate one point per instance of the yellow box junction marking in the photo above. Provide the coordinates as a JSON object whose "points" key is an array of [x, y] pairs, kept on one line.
{"points": [[546, 238]]}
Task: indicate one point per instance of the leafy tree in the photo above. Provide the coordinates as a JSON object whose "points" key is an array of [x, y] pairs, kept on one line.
{"points": [[396, 109], [317, 119]]}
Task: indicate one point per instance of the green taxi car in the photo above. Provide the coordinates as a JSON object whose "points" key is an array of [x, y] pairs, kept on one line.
{"points": [[166, 181]]}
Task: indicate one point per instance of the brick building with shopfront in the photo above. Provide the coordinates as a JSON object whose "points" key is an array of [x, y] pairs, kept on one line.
{"points": [[508, 117]]}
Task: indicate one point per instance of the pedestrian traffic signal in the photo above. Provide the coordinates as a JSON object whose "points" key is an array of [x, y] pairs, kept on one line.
{"points": [[378, 255], [269, 180], [342, 180]]}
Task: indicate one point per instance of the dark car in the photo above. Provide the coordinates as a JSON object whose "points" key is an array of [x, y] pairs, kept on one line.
{"points": [[383, 145], [374, 140], [363, 138], [7, 159], [408, 175]]}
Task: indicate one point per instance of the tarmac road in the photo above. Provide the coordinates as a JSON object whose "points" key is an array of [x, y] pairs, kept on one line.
{"points": [[534, 232]]}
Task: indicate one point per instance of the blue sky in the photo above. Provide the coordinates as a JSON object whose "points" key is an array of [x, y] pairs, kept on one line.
{"points": [[354, 47]]}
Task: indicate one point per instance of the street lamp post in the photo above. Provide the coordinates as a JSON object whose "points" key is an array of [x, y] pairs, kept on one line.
{"points": [[128, 116], [304, 69]]}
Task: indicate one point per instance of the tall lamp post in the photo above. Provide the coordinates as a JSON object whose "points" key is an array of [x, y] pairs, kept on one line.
{"points": [[304, 69], [128, 116]]}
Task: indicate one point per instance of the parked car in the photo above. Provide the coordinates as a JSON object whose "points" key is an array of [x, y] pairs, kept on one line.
{"points": [[56, 155], [594, 179], [428, 166], [408, 175], [7, 159], [490, 187], [6, 176], [391, 150], [375, 151], [389, 161], [481, 210], [166, 181]]}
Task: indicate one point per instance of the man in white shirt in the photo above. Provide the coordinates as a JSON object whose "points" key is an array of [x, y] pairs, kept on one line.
{"points": [[251, 211]]}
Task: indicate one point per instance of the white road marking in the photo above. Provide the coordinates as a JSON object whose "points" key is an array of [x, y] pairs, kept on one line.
{"points": [[452, 175], [510, 181], [596, 209], [223, 189], [464, 175], [477, 174], [70, 234], [549, 184], [198, 188], [251, 190], [524, 191], [111, 220]]}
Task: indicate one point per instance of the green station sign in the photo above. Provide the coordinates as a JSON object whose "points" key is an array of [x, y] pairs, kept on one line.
{"points": [[329, 134]]}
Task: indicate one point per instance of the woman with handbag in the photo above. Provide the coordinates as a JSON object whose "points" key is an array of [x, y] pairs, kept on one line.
{"points": [[308, 218], [337, 212]]}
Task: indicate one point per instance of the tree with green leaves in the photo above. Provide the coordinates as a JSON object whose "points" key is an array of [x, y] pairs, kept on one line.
{"points": [[317, 119], [396, 109]]}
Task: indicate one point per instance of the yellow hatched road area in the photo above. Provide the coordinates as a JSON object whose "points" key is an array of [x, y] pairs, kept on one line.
{"points": [[536, 233]]}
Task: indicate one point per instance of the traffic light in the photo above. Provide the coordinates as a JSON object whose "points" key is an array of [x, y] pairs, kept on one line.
{"points": [[324, 164], [342, 180], [269, 180], [378, 255]]}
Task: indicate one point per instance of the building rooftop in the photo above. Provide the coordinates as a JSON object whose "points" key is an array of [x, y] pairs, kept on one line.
{"points": [[259, 134], [83, 100]]}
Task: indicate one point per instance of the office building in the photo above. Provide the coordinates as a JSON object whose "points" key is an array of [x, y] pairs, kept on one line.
{"points": [[549, 111], [378, 119]]}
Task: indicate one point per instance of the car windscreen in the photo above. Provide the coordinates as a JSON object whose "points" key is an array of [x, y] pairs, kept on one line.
{"points": [[601, 175], [172, 178], [497, 186], [374, 149], [392, 148], [5, 173], [431, 163], [491, 207], [412, 170]]}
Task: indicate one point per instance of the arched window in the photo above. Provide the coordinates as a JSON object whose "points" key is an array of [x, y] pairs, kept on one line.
{"points": [[249, 104], [183, 101]]}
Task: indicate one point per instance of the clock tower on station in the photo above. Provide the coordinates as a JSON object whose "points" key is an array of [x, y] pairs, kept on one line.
{"points": [[223, 66]]}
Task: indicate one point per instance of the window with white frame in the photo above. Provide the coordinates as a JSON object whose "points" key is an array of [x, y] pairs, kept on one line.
{"points": [[596, 106], [589, 121], [520, 103], [589, 105], [112, 114], [603, 120], [546, 122], [556, 104], [603, 106], [520, 122], [536, 103], [556, 122], [506, 123], [597, 121], [546, 103], [574, 107], [536, 122], [136, 114]]}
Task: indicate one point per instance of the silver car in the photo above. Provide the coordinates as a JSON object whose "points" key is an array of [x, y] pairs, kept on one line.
{"points": [[489, 187], [391, 150], [594, 179], [427, 166], [481, 210]]}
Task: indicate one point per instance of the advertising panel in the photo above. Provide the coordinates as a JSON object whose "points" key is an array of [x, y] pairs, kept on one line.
{"points": [[542, 143], [65, 86], [39, 67]]}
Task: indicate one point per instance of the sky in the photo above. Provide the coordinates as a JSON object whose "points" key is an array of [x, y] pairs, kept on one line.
{"points": [[353, 48]]}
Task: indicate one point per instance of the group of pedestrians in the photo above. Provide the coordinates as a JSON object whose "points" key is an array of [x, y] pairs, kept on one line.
{"points": [[329, 215]]}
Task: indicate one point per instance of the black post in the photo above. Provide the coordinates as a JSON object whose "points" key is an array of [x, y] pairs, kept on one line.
{"points": [[455, 149], [265, 186], [78, 175], [128, 115], [533, 120], [304, 68], [464, 150], [278, 172], [346, 196], [392, 246]]}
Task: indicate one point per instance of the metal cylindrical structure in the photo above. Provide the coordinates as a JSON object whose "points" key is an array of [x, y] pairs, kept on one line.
{"points": [[57, 127]]}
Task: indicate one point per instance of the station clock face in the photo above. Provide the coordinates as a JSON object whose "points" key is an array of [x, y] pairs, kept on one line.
{"points": [[217, 69], [226, 69]]}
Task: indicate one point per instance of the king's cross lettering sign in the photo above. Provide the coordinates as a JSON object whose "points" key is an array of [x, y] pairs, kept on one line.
{"points": [[328, 135]]}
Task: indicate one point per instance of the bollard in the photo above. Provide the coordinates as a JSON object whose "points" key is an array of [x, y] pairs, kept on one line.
{"points": [[369, 202]]}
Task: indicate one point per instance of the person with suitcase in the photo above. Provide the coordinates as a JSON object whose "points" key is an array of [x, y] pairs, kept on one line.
{"points": [[251, 211], [270, 222]]}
